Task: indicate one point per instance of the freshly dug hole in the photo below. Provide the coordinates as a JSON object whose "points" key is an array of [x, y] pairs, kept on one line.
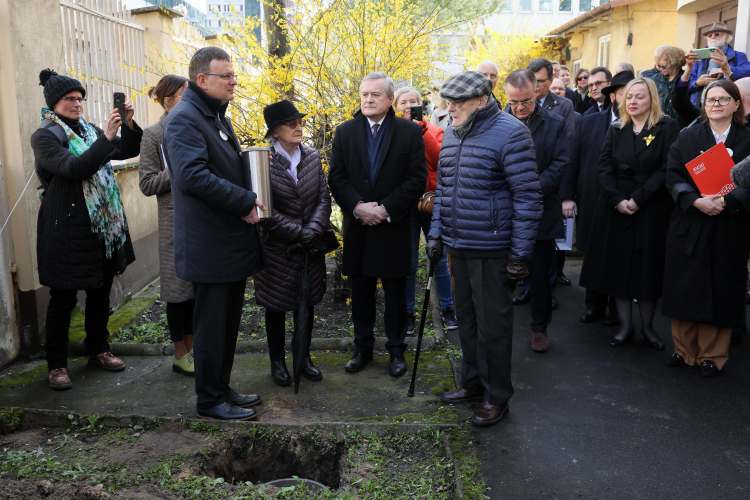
{"points": [[265, 459]]}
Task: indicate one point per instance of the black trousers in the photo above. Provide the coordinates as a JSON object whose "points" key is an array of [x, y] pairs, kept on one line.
{"points": [[485, 325], [598, 302], [61, 304], [276, 331], [560, 260], [180, 319], [364, 290], [218, 310], [541, 288]]}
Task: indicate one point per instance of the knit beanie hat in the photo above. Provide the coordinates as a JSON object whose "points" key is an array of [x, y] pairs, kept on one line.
{"points": [[57, 86]]}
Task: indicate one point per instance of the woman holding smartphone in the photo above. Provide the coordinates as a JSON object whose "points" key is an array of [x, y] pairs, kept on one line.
{"points": [[708, 239]]}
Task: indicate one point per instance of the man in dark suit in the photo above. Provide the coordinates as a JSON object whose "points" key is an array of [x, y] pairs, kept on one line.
{"points": [[551, 144], [378, 171], [599, 78], [543, 70], [580, 187], [216, 242]]}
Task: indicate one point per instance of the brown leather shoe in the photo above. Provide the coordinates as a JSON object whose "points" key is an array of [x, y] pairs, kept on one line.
{"points": [[106, 361], [59, 379], [489, 414], [539, 342], [462, 395]]}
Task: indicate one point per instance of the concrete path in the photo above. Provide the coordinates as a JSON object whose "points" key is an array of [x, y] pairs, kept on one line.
{"points": [[591, 421]]}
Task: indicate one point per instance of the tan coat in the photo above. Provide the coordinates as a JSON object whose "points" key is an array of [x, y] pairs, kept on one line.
{"points": [[154, 180]]}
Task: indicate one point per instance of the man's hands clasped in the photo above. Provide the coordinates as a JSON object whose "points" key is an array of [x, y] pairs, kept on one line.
{"points": [[370, 214]]}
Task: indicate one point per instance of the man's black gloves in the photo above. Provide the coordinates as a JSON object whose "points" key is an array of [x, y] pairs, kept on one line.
{"points": [[307, 236], [434, 248], [517, 269]]}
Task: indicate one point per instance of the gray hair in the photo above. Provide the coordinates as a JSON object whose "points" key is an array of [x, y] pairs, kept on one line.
{"points": [[403, 90], [489, 62], [661, 48], [201, 61], [520, 78], [390, 87], [624, 66]]}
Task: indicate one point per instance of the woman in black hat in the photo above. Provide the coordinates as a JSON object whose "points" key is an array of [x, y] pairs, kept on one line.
{"points": [[626, 248], [82, 232], [301, 209]]}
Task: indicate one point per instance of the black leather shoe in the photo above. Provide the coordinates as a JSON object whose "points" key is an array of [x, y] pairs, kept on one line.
{"points": [[227, 411], [243, 400], [398, 365], [562, 279], [590, 316], [280, 374], [611, 320], [656, 343], [410, 324], [449, 319], [675, 360], [615, 342], [310, 371], [524, 298], [708, 368], [555, 303], [358, 361]]}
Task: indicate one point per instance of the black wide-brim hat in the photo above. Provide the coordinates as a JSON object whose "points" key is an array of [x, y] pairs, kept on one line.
{"points": [[280, 112], [619, 80]]}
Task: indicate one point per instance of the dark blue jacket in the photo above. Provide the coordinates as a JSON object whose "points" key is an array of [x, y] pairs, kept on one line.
{"points": [[551, 145], [737, 61], [488, 195], [211, 191]]}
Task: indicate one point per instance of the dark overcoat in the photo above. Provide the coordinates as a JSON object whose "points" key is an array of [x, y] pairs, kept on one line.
{"points": [[69, 254], [561, 106], [706, 263], [581, 182], [383, 250], [551, 145], [212, 192], [296, 206], [153, 179], [625, 253]]}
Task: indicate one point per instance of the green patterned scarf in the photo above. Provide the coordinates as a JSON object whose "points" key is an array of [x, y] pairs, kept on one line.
{"points": [[100, 190]]}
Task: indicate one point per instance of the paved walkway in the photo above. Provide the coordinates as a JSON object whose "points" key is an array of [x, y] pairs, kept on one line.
{"points": [[591, 421]]}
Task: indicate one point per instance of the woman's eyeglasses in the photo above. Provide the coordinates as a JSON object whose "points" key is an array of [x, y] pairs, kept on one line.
{"points": [[294, 124], [75, 99], [661, 66], [722, 101], [581, 78]]}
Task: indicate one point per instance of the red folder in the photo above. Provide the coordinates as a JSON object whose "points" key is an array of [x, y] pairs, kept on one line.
{"points": [[710, 171]]}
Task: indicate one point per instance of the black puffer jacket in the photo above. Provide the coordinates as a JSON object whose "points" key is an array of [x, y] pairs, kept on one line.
{"points": [[69, 254], [306, 204]]}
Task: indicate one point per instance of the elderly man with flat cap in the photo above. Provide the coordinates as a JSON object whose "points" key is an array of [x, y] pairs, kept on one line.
{"points": [[487, 222]]}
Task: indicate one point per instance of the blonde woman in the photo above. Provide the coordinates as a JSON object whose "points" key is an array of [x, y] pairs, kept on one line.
{"points": [[625, 254]]}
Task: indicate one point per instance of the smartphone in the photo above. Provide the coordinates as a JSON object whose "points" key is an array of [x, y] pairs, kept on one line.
{"points": [[704, 53], [119, 100], [416, 113]]}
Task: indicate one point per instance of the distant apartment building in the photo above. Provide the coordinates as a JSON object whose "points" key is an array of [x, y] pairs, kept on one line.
{"points": [[220, 10], [528, 17], [193, 15]]}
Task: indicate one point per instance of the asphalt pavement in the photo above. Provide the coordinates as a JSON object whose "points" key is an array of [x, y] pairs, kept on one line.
{"points": [[597, 422]]}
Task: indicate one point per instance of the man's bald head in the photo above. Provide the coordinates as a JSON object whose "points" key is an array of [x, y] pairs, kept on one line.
{"points": [[490, 70], [558, 87], [744, 85]]}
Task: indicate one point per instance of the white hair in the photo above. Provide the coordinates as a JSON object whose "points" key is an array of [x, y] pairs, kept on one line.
{"points": [[729, 37], [390, 87], [660, 48], [497, 70]]}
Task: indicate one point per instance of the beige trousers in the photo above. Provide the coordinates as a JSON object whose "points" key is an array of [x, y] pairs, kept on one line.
{"points": [[697, 342]]}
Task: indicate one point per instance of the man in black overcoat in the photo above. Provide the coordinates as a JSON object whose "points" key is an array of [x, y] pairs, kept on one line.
{"points": [[216, 242], [551, 143], [580, 187], [378, 172]]}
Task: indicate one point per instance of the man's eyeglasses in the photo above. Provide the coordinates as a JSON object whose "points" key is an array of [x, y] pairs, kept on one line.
{"points": [[599, 83], [294, 124], [722, 101], [455, 104], [715, 34], [581, 78], [523, 104], [540, 81], [226, 76], [75, 99]]}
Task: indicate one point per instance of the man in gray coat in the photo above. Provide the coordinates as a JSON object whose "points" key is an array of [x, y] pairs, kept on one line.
{"points": [[216, 242]]}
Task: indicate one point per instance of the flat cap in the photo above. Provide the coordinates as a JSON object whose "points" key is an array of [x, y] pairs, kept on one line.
{"points": [[465, 86]]}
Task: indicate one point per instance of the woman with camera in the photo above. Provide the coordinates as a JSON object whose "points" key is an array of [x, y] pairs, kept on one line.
{"points": [[403, 100], [625, 252], [708, 239], [82, 232], [154, 181], [301, 211]]}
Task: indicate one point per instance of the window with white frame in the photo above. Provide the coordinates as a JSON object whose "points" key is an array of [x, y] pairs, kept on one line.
{"points": [[603, 55], [565, 5], [507, 5], [584, 5], [524, 6], [576, 67], [545, 5]]}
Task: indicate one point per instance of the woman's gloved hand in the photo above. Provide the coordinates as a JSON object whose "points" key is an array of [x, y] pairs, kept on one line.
{"points": [[307, 236], [293, 248], [434, 248]]}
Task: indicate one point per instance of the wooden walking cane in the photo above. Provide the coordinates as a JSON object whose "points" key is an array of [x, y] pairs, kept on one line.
{"points": [[421, 329]]}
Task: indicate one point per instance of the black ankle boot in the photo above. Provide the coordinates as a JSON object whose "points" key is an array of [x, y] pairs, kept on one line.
{"points": [[279, 373], [310, 371]]}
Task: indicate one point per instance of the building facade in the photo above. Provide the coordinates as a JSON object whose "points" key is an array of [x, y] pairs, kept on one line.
{"points": [[221, 10], [530, 17], [193, 15]]}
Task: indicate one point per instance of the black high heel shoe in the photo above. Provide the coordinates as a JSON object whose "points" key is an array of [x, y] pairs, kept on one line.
{"points": [[615, 342], [656, 344]]}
